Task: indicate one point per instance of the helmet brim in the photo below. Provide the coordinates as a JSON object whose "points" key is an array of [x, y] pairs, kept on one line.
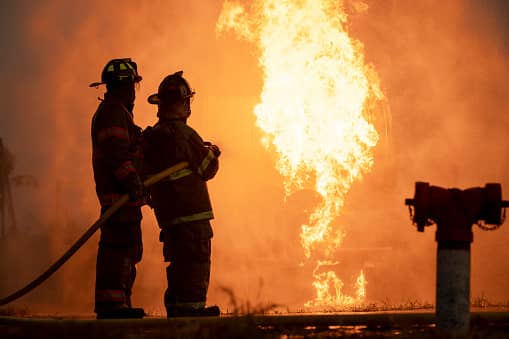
{"points": [[96, 84], [154, 99]]}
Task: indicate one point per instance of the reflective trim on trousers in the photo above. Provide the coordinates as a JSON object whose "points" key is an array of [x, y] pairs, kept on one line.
{"points": [[193, 217]]}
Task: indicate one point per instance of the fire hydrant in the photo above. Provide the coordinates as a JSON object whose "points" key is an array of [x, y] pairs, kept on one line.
{"points": [[455, 211]]}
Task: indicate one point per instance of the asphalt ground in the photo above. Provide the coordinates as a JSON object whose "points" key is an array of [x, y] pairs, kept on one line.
{"points": [[354, 325]]}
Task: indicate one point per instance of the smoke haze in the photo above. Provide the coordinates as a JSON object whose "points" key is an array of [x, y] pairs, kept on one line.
{"points": [[443, 69]]}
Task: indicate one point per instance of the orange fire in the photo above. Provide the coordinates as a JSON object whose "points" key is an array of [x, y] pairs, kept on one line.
{"points": [[317, 99]]}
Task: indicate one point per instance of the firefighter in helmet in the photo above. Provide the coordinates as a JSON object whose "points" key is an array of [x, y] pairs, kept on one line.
{"points": [[116, 159], [181, 203]]}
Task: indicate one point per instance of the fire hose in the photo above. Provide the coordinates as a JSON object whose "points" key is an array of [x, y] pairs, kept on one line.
{"points": [[77, 245]]}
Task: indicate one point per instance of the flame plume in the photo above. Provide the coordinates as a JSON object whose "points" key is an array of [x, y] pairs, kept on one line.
{"points": [[315, 109]]}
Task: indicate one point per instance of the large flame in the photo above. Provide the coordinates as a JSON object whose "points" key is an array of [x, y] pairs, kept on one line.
{"points": [[315, 112]]}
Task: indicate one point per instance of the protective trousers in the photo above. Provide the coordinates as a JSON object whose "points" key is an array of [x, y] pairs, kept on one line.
{"points": [[187, 248], [120, 249]]}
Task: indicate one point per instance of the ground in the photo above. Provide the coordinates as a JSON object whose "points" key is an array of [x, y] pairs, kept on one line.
{"points": [[346, 325]]}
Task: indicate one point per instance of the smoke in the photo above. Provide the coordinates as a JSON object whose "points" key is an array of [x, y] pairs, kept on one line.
{"points": [[442, 69]]}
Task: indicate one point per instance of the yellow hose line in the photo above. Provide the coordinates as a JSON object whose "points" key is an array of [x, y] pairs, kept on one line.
{"points": [[77, 245]]}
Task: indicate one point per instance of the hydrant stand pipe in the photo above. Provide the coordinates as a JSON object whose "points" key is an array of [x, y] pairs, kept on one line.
{"points": [[77, 245], [453, 287], [455, 211]]}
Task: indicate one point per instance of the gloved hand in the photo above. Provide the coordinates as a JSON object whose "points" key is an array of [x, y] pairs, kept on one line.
{"points": [[214, 148], [135, 187]]}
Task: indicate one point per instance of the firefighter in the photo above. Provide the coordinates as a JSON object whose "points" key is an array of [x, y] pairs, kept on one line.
{"points": [[181, 203], [116, 159]]}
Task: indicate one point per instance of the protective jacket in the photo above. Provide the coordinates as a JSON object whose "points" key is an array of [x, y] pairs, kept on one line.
{"points": [[183, 197], [116, 152]]}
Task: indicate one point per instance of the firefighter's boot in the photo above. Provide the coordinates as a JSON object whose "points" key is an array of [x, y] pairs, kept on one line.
{"points": [[211, 311]]}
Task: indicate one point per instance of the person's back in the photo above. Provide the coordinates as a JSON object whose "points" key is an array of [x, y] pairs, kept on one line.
{"points": [[181, 202]]}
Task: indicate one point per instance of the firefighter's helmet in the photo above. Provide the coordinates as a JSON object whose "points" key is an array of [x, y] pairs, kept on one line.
{"points": [[173, 88], [119, 71]]}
